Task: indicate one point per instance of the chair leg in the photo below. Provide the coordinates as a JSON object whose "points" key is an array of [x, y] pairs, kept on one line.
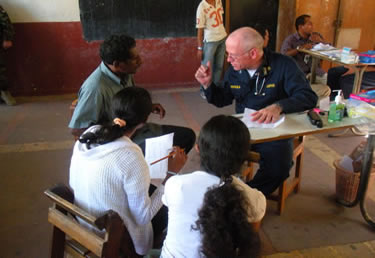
{"points": [[299, 162], [281, 198], [284, 188], [299, 153], [58, 243]]}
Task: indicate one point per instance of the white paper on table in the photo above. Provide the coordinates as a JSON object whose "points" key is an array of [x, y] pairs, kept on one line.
{"points": [[335, 53], [324, 104], [253, 124], [322, 46], [157, 148]]}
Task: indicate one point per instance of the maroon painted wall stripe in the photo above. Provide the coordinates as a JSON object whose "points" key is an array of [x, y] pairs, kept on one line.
{"points": [[53, 58]]}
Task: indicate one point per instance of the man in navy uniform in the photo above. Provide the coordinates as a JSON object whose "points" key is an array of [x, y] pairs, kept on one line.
{"points": [[268, 82]]}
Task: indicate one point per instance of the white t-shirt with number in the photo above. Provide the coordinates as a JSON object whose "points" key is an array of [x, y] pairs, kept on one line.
{"points": [[210, 18]]}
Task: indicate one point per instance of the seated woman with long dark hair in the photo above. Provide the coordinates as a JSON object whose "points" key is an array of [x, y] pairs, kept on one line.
{"points": [[211, 212], [108, 171]]}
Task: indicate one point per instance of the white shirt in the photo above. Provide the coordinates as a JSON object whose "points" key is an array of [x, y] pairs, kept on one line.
{"points": [[116, 176], [183, 196], [211, 19], [251, 72]]}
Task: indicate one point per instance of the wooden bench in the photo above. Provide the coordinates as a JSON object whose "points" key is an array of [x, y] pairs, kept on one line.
{"points": [[288, 185], [72, 238]]}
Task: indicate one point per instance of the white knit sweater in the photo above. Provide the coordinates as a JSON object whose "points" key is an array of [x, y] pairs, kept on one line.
{"points": [[115, 176]]}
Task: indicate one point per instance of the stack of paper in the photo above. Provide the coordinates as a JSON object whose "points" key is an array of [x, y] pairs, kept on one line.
{"points": [[321, 46], [334, 54], [156, 149], [253, 124]]}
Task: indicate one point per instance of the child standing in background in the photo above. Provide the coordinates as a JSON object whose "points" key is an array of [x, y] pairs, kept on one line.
{"points": [[211, 36]]}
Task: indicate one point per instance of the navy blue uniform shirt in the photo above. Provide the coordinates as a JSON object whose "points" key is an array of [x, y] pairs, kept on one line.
{"points": [[278, 80]]}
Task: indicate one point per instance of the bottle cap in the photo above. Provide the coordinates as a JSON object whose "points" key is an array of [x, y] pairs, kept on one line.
{"points": [[338, 98]]}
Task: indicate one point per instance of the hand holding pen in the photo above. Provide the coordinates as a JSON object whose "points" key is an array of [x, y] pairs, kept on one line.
{"points": [[176, 160]]}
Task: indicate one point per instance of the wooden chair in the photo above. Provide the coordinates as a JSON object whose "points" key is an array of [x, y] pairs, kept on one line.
{"points": [[71, 237], [288, 185]]}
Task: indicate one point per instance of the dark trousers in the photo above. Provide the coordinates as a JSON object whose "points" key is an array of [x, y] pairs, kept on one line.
{"points": [[183, 137], [3, 76], [276, 160], [160, 220], [336, 81], [333, 80]]}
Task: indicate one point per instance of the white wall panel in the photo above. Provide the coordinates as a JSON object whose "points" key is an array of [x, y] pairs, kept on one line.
{"points": [[42, 10]]}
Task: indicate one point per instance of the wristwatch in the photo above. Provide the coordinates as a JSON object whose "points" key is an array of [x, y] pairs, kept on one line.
{"points": [[200, 48]]}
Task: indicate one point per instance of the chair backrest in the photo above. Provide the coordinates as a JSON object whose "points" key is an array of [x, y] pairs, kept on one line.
{"points": [[247, 172], [67, 232]]}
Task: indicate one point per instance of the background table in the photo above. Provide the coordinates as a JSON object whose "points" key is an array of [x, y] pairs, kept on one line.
{"points": [[358, 68]]}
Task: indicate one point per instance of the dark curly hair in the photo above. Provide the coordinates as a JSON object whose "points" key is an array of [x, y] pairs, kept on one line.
{"points": [[223, 143], [116, 48], [224, 226], [132, 104]]}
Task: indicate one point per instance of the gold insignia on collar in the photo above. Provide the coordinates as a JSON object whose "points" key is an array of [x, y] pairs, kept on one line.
{"points": [[272, 85]]}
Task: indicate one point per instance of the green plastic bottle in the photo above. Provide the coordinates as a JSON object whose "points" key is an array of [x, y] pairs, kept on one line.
{"points": [[332, 113], [336, 109]]}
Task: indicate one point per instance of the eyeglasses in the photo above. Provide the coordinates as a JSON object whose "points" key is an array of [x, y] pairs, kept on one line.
{"points": [[235, 57]]}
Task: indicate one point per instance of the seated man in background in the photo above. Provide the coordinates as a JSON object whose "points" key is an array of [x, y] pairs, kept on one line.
{"points": [[265, 81], [120, 61], [342, 78], [305, 38]]}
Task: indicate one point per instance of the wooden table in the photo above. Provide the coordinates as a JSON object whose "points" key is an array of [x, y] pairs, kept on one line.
{"points": [[295, 125], [358, 68]]}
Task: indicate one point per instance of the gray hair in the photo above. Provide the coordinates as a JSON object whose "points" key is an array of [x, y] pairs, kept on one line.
{"points": [[249, 38]]}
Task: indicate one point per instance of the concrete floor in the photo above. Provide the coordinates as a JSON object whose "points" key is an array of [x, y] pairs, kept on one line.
{"points": [[35, 151]]}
